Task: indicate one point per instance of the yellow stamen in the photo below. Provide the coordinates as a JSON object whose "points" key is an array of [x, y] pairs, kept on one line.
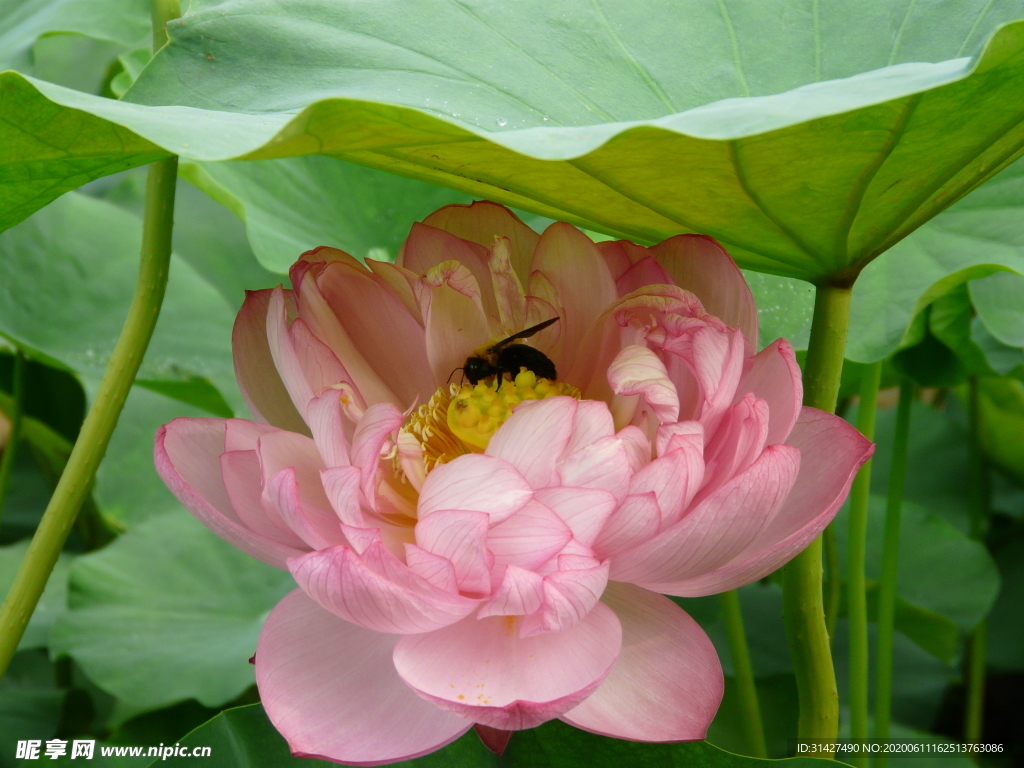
{"points": [[476, 412]]}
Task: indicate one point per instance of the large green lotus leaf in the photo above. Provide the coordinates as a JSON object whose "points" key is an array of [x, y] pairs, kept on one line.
{"points": [[976, 237], [807, 140], [54, 598], [928, 545], [244, 738], [1005, 650], [1001, 407], [999, 299], [294, 204], [125, 23], [168, 612], [30, 703], [66, 279], [936, 460]]}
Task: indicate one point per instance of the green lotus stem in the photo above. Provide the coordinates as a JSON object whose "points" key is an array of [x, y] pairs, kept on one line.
{"points": [[832, 587], [15, 415], [802, 601], [743, 673], [978, 492], [890, 564], [856, 599], [99, 423]]}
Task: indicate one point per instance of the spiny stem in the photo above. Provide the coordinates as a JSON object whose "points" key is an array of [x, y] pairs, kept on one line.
{"points": [[14, 414], [979, 506], [890, 564], [743, 673], [803, 606], [856, 600]]}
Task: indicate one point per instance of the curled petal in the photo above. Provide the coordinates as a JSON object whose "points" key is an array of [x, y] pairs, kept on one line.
{"points": [[584, 510], [521, 592], [186, 453], [477, 483], [342, 706], [261, 384], [700, 265], [718, 529], [570, 593], [637, 370], [831, 453], [328, 427], [774, 376], [529, 538], [372, 431], [482, 670], [341, 484], [636, 520], [455, 321], [459, 537], [376, 591], [674, 478], [482, 221], [314, 526], [667, 682], [243, 483]]}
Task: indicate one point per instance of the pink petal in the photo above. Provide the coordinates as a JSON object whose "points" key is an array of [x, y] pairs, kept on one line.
{"points": [[604, 464], [328, 427], [534, 438], [509, 296], [316, 527], [387, 336], [318, 314], [186, 453], [475, 482], [261, 384], [667, 682], [716, 360], [637, 445], [682, 433], [521, 592], [242, 434], [305, 363], [584, 510], [637, 370], [674, 479], [718, 529], [376, 426], [438, 570], [282, 450], [376, 591], [699, 264], [737, 442], [773, 374], [831, 453], [455, 322], [428, 247], [592, 422], [647, 271], [331, 689], [636, 520], [571, 594], [580, 276], [482, 670], [461, 538], [482, 221], [341, 485], [529, 538], [399, 280], [243, 483]]}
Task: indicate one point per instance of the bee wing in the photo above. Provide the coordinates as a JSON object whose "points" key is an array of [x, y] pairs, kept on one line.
{"points": [[523, 334]]}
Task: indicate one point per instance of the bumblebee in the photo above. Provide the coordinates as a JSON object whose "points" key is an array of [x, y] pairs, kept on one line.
{"points": [[506, 357]]}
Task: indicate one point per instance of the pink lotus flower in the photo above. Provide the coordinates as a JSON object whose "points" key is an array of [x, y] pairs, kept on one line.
{"points": [[466, 555]]}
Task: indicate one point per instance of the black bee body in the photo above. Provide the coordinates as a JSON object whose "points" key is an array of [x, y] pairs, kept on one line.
{"points": [[506, 357]]}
